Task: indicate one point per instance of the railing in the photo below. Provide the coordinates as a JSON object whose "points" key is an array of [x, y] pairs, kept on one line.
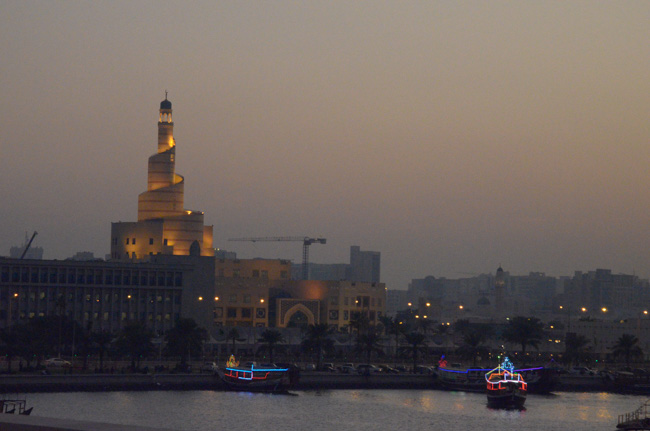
{"points": [[636, 415]]}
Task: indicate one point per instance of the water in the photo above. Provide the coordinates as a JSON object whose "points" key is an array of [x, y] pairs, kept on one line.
{"points": [[354, 410]]}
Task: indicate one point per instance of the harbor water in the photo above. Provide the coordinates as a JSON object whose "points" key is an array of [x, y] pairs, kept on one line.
{"points": [[354, 410]]}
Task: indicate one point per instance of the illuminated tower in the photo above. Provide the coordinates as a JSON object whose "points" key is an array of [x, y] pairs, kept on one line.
{"points": [[163, 226], [164, 195]]}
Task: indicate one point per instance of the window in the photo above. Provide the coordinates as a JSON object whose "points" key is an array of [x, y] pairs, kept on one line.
{"points": [[150, 241], [233, 298], [246, 313], [247, 299], [231, 312], [265, 274], [256, 273], [127, 241], [133, 241], [165, 241]]}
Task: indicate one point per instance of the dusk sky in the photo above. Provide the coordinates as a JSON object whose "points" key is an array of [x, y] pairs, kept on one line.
{"points": [[451, 136]]}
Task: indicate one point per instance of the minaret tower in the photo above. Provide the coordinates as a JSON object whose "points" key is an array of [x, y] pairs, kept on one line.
{"points": [[164, 195], [164, 226]]}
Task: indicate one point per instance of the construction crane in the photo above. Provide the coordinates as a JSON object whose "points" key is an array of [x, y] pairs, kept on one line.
{"points": [[306, 242], [28, 244]]}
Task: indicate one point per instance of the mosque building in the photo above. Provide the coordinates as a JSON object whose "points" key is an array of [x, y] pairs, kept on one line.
{"points": [[164, 226]]}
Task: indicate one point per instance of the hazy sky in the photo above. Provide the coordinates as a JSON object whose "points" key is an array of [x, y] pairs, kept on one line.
{"points": [[449, 136]]}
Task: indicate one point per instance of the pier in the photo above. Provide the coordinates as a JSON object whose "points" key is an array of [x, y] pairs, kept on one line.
{"points": [[636, 420]]}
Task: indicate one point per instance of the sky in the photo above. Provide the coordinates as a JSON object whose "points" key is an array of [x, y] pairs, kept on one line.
{"points": [[451, 136]]}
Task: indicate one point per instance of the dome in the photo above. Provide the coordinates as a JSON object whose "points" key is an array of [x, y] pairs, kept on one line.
{"points": [[165, 104]]}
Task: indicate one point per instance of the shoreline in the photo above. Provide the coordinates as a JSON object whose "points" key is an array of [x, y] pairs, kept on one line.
{"points": [[308, 381]]}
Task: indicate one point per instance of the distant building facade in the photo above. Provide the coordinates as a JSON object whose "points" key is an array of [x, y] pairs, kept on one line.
{"points": [[259, 292], [164, 226], [108, 295], [364, 266], [32, 253]]}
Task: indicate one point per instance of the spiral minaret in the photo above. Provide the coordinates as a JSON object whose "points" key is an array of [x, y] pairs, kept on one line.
{"points": [[163, 226], [164, 195]]}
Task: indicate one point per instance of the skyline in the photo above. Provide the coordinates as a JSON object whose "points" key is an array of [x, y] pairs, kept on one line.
{"points": [[452, 137]]}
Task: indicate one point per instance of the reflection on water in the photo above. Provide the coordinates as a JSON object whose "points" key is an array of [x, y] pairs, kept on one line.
{"points": [[356, 410]]}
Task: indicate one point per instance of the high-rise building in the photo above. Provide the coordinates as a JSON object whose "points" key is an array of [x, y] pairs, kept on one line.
{"points": [[364, 265], [164, 226]]}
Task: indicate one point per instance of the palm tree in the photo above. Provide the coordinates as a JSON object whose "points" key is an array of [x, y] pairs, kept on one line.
{"points": [[392, 327], [575, 348], [135, 341], [359, 324], [101, 340], [525, 331], [414, 340], [233, 335], [319, 339], [369, 343], [184, 338], [9, 344], [626, 346], [271, 337], [473, 345]]}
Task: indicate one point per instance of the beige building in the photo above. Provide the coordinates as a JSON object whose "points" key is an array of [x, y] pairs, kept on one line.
{"points": [[164, 226], [258, 292]]}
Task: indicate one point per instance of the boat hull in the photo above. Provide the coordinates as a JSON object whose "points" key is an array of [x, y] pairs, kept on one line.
{"points": [[267, 380], [506, 400]]}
